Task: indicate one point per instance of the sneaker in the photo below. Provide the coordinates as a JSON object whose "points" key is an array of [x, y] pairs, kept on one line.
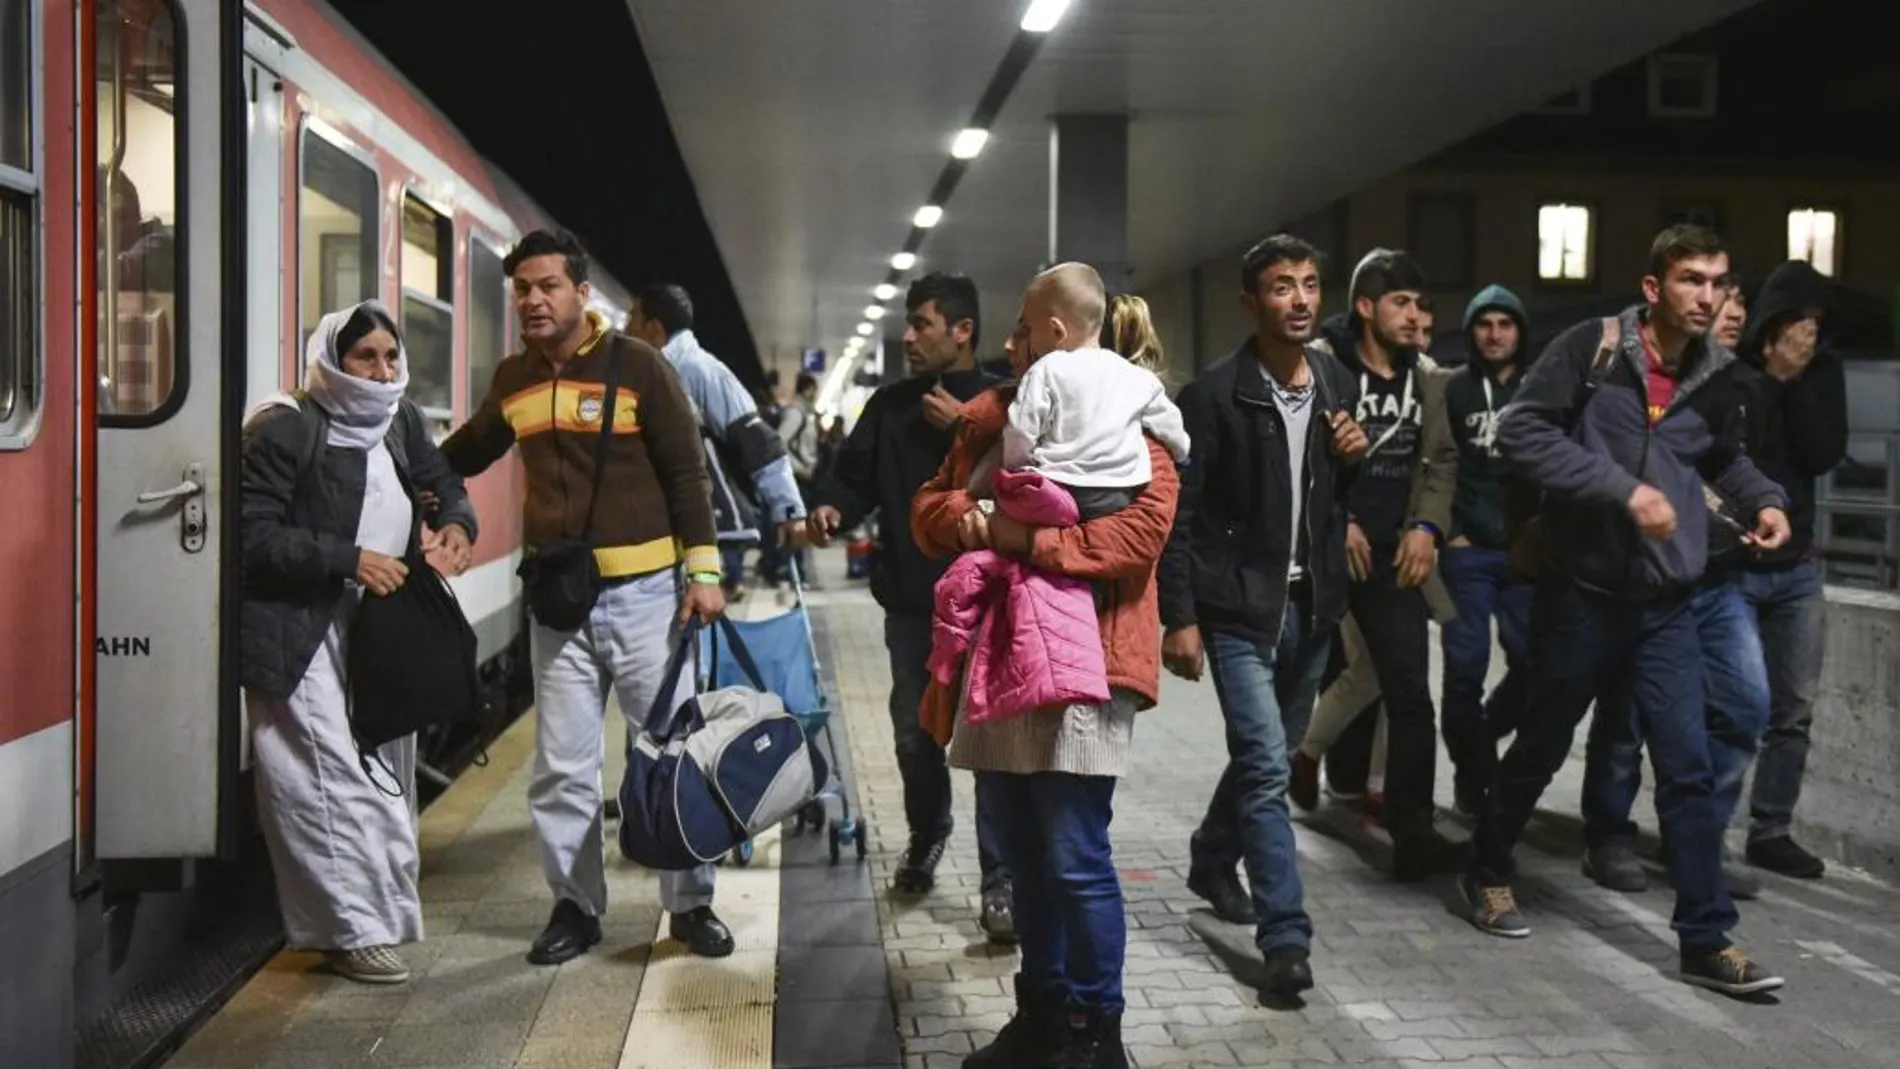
{"points": [[1302, 788], [702, 931], [368, 965], [917, 872], [1729, 971], [1784, 856], [1222, 890], [1493, 909], [1289, 971], [1423, 853], [1614, 865], [1035, 1035], [569, 933], [998, 918]]}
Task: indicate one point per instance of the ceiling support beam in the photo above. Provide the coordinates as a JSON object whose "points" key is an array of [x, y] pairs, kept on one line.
{"points": [[1088, 194]]}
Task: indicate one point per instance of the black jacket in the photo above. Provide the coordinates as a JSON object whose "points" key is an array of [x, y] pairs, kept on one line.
{"points": [[299, 539], [1225, 567], [1473, 399], [889, 455], [1796, 431], [1589, 451]]}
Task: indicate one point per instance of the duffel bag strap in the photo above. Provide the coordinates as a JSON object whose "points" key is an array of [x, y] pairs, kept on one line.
{"points": [[740, 653], [660, 721]]}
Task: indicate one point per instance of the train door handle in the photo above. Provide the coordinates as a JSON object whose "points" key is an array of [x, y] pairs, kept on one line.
{"points": [[191, 535]]}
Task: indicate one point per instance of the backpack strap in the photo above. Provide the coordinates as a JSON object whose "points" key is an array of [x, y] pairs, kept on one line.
{"points": [[1607, 348]]}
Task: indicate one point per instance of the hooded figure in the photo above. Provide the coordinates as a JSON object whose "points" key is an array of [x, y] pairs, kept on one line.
{"points": [[1473, 399], [323, 521]]}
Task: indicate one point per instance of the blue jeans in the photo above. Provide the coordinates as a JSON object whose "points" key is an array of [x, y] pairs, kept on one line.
{"points": [[921, 766], [1580, 642], [1067, 897], [1791, 613], [1482, 586], [1266, 696], [1735, 687]]}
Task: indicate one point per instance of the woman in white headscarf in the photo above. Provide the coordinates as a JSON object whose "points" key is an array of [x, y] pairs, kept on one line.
{"points": [[331, 482]]}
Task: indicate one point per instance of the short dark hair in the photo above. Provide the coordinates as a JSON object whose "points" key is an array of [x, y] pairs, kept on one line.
{"points": [[668, 303], [366, 321], [549, 243], [955, 296], [1387, 271], [1682, 242], [805, 382], [1274, 249]]}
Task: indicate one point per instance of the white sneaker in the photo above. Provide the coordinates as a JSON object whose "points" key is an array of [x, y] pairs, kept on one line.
{"points": [[368, 965]]}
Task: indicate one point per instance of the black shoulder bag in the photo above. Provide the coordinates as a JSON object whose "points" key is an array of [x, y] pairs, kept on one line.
{"points": [[561, 580]]}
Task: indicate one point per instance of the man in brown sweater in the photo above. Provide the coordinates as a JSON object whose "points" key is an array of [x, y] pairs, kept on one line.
{"points": [[652, 520]]}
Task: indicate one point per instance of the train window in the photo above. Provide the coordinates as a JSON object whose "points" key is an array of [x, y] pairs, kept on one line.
{"points": [[337, 243], [488, 319], [428, 317], [139, 195], [19, 237], [16, 97]]}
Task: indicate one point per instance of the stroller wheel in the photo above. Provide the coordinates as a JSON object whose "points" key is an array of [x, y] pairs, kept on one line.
{"points": [[742, 854], [837, 842], [861, 836]]}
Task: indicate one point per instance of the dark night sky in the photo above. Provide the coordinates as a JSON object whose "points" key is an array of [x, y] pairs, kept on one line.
{"points": [[575, 117]]}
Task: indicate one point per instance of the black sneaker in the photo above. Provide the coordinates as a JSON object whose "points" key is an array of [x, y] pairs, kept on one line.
{"points": [[1034, 1038], [569, 933], [1095, 1041], [1302, 788], [702, 931], [1614, 865], [1223, 891], [1729, 971], [917, 872], [1783, 855], [1493, 909], [1289, 971], [1421, 853], [998, 918]]}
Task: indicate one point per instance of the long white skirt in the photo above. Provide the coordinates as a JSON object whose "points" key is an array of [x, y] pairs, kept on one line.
{"points": [[344, 851]]}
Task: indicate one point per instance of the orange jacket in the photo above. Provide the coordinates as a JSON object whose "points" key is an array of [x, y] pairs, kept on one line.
{"points": [[1122, 548]]}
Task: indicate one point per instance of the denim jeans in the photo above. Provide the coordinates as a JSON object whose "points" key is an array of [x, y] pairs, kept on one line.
{"points": [[1735, 688], [1067, 897], [920, 761], [1791, 613], [1266, 696], [1482, 586], [1580, 642]]}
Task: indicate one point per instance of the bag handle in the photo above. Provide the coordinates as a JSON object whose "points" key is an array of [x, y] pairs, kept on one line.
{"points": [[659, 721], [607, 414]]}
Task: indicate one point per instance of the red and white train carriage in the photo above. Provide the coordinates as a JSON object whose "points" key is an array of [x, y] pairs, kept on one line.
{"points": [[185, 187]]}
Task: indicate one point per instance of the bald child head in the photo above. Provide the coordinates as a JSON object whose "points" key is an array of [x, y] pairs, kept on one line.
{"points": [[1073, 293]]}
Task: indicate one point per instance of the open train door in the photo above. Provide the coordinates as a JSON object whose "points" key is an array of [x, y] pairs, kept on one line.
{"points": [[165, 101]]}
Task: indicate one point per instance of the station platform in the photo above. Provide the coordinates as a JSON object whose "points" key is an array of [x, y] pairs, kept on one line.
{"points": [[833, 972]]}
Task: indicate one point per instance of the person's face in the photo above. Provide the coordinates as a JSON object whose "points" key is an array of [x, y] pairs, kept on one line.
{"points": [[1730, 320], [374, 357], [1038, 332], [1393, 317], [1496, 334], [1426, 321], [1285, 303], [1686, 297], [651, 331], [548, 303], [931, 346]]}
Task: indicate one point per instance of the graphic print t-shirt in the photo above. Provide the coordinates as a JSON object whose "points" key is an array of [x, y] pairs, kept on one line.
{"points": [[1383, 489]]}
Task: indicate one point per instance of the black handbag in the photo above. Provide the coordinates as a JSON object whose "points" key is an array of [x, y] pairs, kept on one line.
{"points": [[411, 660], [561, 580]]}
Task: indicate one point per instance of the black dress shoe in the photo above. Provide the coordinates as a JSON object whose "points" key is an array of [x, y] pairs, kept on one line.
{"points": [[569, 933], [1289, 971], [702, 932], [1221, 888]]}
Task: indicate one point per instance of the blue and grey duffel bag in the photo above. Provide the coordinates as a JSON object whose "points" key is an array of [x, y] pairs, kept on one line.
{"points": [[706, 776]]}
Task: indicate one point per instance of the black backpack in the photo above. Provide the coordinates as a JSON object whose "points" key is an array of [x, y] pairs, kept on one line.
{"points": [[1524, 501]]}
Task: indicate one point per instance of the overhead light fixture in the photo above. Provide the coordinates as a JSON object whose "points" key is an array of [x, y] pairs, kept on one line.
{"points": [[874, 311], [927, 216], [864, 330], [969, 143], [1043, 15], [884, 291], [904, 261]]}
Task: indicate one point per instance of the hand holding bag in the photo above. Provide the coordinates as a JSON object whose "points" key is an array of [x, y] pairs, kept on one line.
{"points": [[561, 580]]}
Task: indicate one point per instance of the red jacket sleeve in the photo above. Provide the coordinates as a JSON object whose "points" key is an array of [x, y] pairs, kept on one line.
{"points": [[1121, 544], [939, 504]]}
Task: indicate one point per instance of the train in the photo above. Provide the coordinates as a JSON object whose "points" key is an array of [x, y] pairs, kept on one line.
{"points": [[186, 186]]}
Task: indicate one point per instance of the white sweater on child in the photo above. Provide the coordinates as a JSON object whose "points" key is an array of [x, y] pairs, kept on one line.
{"points": [[1078, 419]]}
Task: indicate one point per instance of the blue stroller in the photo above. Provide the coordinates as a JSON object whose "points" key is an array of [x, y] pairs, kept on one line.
{"points": [[787, 656]]}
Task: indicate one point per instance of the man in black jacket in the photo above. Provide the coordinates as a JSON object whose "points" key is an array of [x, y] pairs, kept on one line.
{"points": [[899, 442], [1620, 430], [1254, 575]]}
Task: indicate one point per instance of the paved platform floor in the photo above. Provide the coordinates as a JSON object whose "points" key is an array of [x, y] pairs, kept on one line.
{"points": [[1402, 980]]}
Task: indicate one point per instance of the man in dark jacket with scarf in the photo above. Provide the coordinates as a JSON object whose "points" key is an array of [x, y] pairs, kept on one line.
{"points": [[899, 442], [1475, 563]]}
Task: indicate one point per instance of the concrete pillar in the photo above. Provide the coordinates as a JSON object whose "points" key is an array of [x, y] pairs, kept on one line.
{"points": [[1088, 194]]}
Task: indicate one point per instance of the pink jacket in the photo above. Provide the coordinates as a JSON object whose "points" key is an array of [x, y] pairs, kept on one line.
{"points": [[1031, 637]]}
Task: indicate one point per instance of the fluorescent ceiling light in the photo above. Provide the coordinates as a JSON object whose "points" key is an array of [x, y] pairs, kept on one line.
{"points": [[1043, 15], [874, 311], [927, 216], [884, 291], [904, 261], [969, 143], [864, 330]]}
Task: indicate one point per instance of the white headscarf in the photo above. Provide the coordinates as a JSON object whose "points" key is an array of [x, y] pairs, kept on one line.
{"points": [[360, 410]]}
